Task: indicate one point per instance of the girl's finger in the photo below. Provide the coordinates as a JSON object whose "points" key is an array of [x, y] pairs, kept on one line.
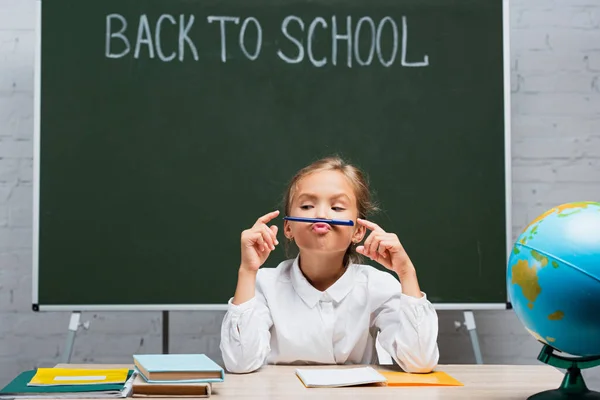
{"points": [[374, 245], [370, 225], [384, 246], [267, 235], [368, 242], [363, 250], [266, 218], [260, 243], [274, 229]]}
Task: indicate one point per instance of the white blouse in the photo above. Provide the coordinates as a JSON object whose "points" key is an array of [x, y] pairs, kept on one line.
{"points": [[290, 322]]}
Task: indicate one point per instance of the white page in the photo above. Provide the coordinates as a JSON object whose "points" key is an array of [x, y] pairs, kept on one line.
{"points": [[319, 377]]}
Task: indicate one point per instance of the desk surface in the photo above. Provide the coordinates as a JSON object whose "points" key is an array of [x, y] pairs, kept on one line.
{"points": [[481, 382]]}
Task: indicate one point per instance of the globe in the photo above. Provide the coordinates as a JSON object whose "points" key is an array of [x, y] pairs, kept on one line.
{"points": [[553, 278]]}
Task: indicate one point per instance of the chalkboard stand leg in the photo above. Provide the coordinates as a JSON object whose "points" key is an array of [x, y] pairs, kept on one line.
{"points": [[470, 324], [73, 327], [165, 332]]}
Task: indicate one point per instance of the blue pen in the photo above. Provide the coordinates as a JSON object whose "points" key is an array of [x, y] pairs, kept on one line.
{"points": [[347, 222]]}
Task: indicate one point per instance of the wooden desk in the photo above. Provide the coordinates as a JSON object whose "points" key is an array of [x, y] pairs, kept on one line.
{"points": [[482, 382]]}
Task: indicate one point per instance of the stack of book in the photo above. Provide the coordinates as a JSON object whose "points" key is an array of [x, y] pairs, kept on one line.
{"points": [[70, 383], [175, 375]]}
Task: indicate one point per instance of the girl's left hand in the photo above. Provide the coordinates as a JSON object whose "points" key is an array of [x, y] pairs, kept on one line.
{"points": [[384, 248]]}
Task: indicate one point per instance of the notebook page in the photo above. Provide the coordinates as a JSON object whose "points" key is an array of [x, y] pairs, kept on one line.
{"points": [[339, 377]]}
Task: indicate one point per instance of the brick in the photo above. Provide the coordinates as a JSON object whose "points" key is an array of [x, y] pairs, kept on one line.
{"points": [[574, 3], [519, 215], [517, 5], [573, 40], [595, 15], [14, 260], [26, 170], [20, 217], [9, 170], [555, 104], [540, 61], [543, 196], [563, 82], [531, 174], [89, 345], [515, 81], [561, 147], [556, 17], [554, 125], [208, 344], [137, 323], [15, 238], [510, 349], [38, 323], [16, 296], [197, 322], [3, 221], [456, 349], [529, 39], [17, 14], [21, 194], [5, 191], [16, 278], [17, 48], [496, 322], [40, 346], [15, 80], [587, 171], [592, 61], [16, 117], [16, 148]]}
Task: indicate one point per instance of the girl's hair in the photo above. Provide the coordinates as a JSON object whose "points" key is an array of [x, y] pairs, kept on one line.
{"points": [[359, 183]]}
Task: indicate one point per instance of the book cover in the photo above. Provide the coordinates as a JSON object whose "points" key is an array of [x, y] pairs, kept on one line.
{"points": [[159, 368], [19, 386], [435, 378], [74, 376], [141, 388]]}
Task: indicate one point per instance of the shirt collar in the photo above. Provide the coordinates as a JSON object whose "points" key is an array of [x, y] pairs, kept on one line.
{"points": [[311, 296]]}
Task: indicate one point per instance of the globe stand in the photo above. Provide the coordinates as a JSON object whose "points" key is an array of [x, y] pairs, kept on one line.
{"points": [[573, 386]]}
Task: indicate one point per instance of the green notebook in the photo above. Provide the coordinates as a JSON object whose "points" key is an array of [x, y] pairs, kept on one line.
{"points": [[19, 386]]}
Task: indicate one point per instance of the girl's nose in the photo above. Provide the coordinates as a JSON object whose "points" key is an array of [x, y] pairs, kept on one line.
{"points": [[322, 212]]}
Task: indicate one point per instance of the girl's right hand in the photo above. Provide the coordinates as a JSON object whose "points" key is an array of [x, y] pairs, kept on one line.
{"points": [[258, 242]]}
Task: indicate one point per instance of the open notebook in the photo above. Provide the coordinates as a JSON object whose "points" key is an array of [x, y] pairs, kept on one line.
{"points": [[339, 377]]}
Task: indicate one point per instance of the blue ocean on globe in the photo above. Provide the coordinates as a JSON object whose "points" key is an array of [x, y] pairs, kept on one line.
{"points": [[553, 278]]}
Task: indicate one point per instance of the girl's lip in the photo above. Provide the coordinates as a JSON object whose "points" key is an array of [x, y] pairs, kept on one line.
{"points": [[321, 227]]}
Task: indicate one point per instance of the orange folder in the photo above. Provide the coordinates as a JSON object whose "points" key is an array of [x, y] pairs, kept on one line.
{"points": [[436, 378]]}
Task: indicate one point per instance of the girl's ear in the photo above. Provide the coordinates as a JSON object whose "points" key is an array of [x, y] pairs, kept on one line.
{"points": [[287, 230], [359, 234]]}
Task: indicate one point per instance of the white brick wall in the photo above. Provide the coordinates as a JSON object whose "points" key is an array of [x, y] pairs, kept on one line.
{"points": [[556, 154]]}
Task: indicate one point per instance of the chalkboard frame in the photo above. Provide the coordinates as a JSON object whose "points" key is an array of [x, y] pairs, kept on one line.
{"points": [[36, 306]]}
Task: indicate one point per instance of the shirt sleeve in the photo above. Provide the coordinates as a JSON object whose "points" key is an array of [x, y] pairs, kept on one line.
{"points": [[245, 334], [408, 329]]}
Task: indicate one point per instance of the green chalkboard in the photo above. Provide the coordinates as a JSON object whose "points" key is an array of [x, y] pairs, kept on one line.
{"points": [[166, 127]]}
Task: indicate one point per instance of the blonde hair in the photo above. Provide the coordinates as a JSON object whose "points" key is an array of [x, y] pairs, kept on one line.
{"points": [[366, 206]]}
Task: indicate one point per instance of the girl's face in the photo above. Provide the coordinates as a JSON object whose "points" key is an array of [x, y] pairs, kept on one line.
{"points": [[324, 194]]}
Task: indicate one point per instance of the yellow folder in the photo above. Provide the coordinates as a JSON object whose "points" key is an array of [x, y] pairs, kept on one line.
{"points": [[68, 376], [436, 378]]}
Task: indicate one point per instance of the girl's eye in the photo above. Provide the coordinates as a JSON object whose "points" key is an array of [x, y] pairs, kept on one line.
{"points": [[337, 208], [305, 207]]}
